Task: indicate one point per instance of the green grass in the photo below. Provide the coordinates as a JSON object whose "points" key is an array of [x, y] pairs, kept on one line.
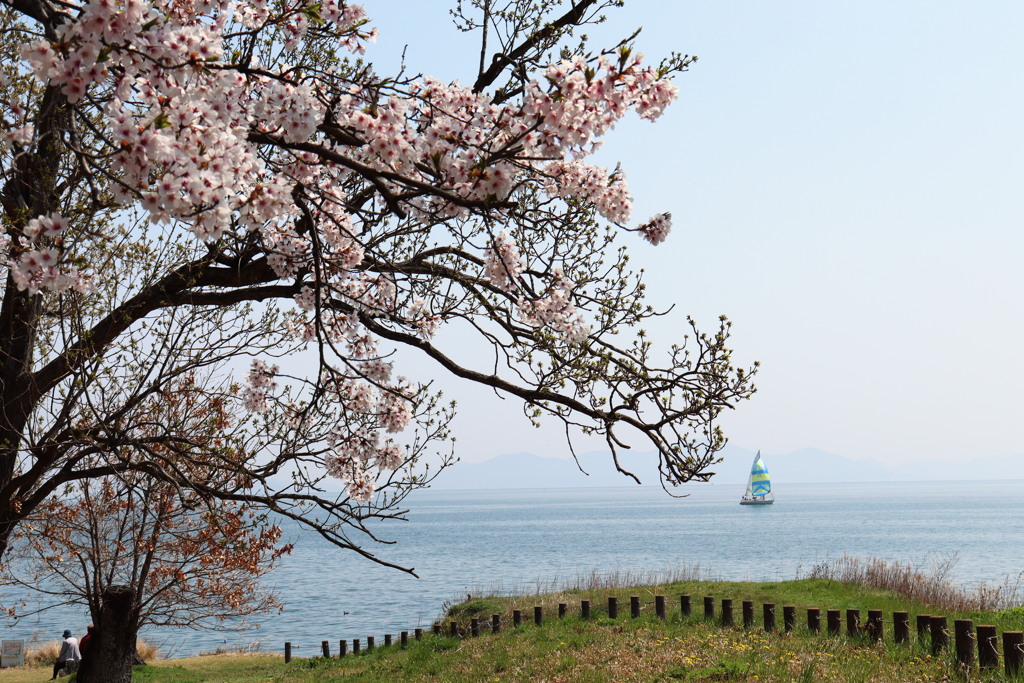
{"points": [[624, 649]]}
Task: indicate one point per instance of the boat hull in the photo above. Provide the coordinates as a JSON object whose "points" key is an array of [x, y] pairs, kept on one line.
{"points": [[756, 502]]}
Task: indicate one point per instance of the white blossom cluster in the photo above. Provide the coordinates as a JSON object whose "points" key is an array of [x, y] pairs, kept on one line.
{"points": [[218, 147]]}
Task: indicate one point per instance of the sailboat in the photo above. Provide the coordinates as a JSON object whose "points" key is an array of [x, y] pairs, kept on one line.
{"points": [[759, 485]]}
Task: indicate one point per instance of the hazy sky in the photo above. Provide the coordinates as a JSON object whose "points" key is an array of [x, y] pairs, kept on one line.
{"points": [[845, 181]]}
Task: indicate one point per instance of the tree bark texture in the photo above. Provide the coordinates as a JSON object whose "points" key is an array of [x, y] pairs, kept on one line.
{"points": [[111, 652]]}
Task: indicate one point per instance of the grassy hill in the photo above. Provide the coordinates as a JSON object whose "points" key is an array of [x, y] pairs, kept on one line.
{"points": [[647, 648]]}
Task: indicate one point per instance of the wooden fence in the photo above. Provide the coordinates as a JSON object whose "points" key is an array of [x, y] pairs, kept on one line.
{"points": [[972, 646]]}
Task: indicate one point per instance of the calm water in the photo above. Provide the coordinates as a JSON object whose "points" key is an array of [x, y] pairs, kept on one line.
{"points": [[460, 542]]}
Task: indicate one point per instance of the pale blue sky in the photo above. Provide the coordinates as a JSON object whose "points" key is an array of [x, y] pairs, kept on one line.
{"points": [[845, 185]]}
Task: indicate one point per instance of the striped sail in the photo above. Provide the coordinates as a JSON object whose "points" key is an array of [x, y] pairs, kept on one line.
{"points": [[760, 483]]}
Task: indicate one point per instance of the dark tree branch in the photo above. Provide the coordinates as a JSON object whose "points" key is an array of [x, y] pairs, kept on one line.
{"points": [[502, 61]]}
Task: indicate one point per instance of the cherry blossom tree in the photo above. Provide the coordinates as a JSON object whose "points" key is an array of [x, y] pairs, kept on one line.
{"points": [[224, 189], [192, 561]]}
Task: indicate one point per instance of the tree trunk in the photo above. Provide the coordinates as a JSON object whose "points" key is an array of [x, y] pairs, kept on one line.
{"points": [[31, 190], [111, 652]]}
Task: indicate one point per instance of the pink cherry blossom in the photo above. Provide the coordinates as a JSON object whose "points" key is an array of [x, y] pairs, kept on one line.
{"points": [[395, 410], [502, 263], [260, 385], [556, 310], [268, 155], [656, 230]]}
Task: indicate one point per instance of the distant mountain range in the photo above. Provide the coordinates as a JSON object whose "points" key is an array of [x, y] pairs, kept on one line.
{"points": [[809, 465]]}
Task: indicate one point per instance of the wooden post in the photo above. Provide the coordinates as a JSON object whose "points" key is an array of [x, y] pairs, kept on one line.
{"points": [[613, 608], [585, 609], [901, 627], [437, 629], [634, 607], [659, 606], [495, 623], [287, 652], [875, 627], [355, 646], [748, 614], [727, 612], [342, 648], [963, 634], [419, 634], [924, 625], [453, 629], [538, 615], [988, 647], [852, 622], [325, 648], [834, 618], [1013, 651], [940, 635], [517, 618], [369, 643], [403, 638], [684, 605], [709, 607], [474, 627], [769, 616], [387, 640], [814, 620], [562, 609], [789, 618]]}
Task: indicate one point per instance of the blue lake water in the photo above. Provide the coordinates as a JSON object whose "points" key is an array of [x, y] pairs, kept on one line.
{"points": [[515, 541]]}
